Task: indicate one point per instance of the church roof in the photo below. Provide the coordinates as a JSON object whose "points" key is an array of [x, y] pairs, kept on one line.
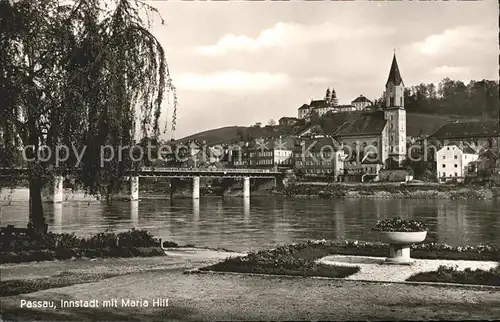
{"points": [[366, 124], [304, 107], [318, 103], [360, 99], [394, 75]]}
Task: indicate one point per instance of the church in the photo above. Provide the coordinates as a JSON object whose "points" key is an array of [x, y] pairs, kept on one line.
{"points": [[377, 140]]}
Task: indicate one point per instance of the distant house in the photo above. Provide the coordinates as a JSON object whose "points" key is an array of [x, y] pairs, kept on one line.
{"points": [[271, 152], [453, 163], [321, 107], [288, 121], [488, 160], [343, 109], [304, 111], [360, 103], [360, 166], [479, 135], [238, 155], [311, 131], [319, 156]]}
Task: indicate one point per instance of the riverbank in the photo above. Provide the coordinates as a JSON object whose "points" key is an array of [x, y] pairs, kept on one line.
{"points": [[390, 191]]}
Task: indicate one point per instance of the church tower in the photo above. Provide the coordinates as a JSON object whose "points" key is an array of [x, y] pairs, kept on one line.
{"points": [[395, 114]]}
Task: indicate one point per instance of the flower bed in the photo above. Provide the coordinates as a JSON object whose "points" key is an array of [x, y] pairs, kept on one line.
{"points": [[25, 248], [299, 259], [468, 276], [398, 224]]}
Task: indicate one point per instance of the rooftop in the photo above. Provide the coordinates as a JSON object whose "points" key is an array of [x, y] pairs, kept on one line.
{"points": [[394, 75], [316, 144], [466, 129], [366, 124], [361, 99]]}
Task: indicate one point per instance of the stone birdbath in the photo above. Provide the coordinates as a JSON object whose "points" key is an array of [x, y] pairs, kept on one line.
{"points": [[400, 234]]}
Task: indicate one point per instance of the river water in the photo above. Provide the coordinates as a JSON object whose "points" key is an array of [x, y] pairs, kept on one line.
{"points": [[240, 225]]}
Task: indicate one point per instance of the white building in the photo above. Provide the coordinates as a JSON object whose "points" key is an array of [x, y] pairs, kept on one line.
{"points": [[304, 111], [360, 103], [452, 162]]}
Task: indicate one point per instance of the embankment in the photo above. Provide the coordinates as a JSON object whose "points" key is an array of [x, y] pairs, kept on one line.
{"points": [[391, 191]]}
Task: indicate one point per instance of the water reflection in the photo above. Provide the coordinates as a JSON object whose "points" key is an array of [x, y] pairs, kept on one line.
{"points": [[246, 210], [243, 224], [134, 213], [58, 218]]}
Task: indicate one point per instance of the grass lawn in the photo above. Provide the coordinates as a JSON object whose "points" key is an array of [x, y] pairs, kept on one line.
{"points": [[468, 276]]}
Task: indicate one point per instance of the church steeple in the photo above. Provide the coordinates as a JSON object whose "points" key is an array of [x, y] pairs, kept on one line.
{"points": [[394, 75], [395, 115]]}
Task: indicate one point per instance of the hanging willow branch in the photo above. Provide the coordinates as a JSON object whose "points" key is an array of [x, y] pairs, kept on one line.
{"points": [[84, 75]]}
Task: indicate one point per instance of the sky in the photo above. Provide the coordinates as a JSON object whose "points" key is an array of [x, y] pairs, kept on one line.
{"points": [[241, 62]]}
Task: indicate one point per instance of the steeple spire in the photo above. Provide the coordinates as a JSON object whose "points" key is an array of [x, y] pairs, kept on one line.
{"points": [[394, 75]]}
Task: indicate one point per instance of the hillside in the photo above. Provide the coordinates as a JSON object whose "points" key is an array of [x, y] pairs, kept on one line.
{"points": [[221, 135], [417, 124]]}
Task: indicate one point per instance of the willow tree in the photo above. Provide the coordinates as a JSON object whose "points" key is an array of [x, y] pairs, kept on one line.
{"points": [[82, 74]]}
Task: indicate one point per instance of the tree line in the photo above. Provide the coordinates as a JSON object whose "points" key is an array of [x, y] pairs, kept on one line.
{"points": [[452, 97]]}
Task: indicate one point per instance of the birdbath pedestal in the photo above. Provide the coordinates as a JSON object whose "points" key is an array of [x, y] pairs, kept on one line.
{"points": [[399, 245]]}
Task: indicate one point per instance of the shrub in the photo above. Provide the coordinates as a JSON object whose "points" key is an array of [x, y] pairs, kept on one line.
{"points": [[446, 274], [137, 238], [398, 224], [101, 240]]}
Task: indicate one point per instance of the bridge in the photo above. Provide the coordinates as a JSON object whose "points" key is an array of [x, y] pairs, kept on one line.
{"points": [[160, 172]]}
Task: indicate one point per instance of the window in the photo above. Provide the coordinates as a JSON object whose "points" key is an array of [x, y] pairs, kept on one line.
{"points": [[456, 174], [391, 102], [456, 165], [444, 165], [456, 157], [448, 148], [444, 157]]}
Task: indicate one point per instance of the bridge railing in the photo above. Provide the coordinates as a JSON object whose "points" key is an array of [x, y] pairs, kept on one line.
{"points": [[157, 169]]}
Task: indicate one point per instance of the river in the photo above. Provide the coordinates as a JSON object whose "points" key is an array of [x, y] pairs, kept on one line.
{"points": [[262, 222]]}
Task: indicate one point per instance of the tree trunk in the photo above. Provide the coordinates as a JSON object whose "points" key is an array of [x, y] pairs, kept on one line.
{"points": [[36, 207]]}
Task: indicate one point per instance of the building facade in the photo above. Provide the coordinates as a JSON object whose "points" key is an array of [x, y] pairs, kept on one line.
{"points": [[453, 163], [271, 152], [319, 157], [360, 103]]}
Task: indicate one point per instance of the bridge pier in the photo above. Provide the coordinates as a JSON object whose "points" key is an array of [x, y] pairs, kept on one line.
{"points": [[246, 187], [134, 188], [196, 187]]}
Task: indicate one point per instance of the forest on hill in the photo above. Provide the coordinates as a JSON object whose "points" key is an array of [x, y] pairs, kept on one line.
{"points": [[453, 97]]}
